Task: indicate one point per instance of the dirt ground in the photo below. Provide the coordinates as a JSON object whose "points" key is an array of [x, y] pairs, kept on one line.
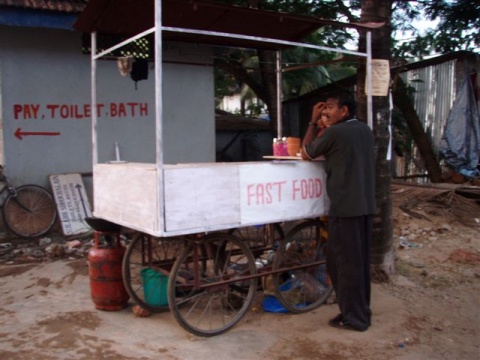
{"points": [[430, 309]]}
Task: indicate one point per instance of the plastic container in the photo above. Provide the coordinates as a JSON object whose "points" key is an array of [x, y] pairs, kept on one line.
{"points": [[284, 147], [154, 287], [293, 146], [276, 147]]}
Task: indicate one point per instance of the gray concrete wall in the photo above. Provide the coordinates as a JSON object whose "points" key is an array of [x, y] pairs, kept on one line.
{"points": [[45, 106]]}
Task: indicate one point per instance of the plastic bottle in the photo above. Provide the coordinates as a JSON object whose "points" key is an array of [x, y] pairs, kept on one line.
{"points": [[275, 147], [284, 147]]}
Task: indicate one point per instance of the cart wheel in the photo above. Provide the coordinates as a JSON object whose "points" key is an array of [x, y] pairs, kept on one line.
{"points": [[260, 236], [305, 284], [146, 266], [206, 291]]}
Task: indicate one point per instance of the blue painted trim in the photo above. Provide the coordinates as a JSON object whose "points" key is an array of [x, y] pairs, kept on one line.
{"points": [[37, 18]]}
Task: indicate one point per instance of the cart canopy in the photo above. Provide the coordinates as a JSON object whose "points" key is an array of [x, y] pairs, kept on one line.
{"points": [[129, 18]]}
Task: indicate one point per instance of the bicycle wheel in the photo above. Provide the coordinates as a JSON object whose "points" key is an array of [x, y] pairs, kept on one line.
{"points": [[146, 265], [32, 212], [212, 284], [304, 285]]}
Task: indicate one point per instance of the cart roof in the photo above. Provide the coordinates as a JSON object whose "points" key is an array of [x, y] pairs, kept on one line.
{"points": [[131, 17]]}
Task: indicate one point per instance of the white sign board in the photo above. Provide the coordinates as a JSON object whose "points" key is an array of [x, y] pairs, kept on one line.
{"points": [[286, 190], [380, 77], [72, 203]]}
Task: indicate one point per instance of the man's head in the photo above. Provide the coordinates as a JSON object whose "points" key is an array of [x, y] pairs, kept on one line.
{"points": [[339, 106]]}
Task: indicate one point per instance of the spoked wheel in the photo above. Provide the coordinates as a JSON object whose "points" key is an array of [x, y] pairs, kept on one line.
{"points": [[32, 212], [304, 285], [211, 286], [260, 236], [146, 266]]}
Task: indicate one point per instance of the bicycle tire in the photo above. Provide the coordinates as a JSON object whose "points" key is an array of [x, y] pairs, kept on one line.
{"points": [[201, 294], [145, 259], [306, 286], [40, 216]]}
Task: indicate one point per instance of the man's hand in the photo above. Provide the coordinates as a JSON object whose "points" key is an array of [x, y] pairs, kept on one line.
{"points": [[317, 111]]}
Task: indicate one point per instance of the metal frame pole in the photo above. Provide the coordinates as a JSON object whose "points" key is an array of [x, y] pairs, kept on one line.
{"points": [[93, 79], [159, 112], [279, 95], [369, 80]]}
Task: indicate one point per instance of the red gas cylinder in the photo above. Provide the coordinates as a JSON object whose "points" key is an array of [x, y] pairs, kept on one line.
{"points": [[105, 270]]}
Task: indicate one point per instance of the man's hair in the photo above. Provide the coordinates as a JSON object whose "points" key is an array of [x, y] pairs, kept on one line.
{"points": [[344, 98]]}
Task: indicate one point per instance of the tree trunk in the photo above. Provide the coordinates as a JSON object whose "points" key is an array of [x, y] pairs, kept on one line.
{"points": [[382, 259], [404, 103]]}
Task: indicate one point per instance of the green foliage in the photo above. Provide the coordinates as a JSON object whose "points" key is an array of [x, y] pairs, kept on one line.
{"points": [[459, 24], [254, 110], [458, 27], [299, 81]]}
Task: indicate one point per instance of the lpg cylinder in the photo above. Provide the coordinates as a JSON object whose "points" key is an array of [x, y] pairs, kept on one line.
{"points": [[105, 271]]}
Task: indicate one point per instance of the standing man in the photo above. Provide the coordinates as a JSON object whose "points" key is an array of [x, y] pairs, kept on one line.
{"points": [[348, 147]]}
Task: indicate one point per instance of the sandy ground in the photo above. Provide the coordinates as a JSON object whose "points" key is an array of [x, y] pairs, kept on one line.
{"points": [[430, 309]]}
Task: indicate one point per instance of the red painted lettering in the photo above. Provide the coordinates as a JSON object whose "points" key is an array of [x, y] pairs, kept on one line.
{"points": [[17, 109], [118, 110], [250, 193], [99, 109], [306, 189], [268, 193], [143, 109], [52, 109], [121, 110], [113, 109], [260, 194], [318, 188], [86, 110], [279, 185], [35, 110], [26, 111], [132, 107], [77, 114], [64, 111]]}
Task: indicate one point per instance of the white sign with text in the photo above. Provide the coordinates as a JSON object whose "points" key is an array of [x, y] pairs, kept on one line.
{"points": [[72, 203], [287, 190]]}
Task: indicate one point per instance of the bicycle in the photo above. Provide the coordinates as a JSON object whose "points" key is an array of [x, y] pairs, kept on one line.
{"points": [[29, 210]]}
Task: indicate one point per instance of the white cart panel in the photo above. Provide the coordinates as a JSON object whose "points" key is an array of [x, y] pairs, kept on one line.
{"points": [[201, 196], [207, 197], [126, 194]]}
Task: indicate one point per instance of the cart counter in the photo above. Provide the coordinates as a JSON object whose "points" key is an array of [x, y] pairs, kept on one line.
{"points": [[205, 197]]}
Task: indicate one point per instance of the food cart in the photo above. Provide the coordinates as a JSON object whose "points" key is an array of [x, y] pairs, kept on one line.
{"points": [[185, 214]]}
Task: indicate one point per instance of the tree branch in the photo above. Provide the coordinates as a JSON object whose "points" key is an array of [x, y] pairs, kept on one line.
{"points": [[346, 11]]}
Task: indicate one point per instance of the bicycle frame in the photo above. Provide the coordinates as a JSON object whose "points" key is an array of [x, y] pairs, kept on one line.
{"points": [[12, 192]]}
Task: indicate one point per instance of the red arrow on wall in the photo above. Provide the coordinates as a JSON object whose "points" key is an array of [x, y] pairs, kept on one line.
{"points": [[19, 133]]}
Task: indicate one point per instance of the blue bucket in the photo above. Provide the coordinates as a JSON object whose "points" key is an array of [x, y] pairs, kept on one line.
{"points": [[154, 287]]}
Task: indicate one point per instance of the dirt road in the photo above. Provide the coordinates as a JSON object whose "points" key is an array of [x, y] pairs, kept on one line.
{"points": [[429, 310]]}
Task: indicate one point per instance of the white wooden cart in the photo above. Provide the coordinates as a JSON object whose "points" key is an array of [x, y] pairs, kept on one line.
{"points": [[186, 214]]}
